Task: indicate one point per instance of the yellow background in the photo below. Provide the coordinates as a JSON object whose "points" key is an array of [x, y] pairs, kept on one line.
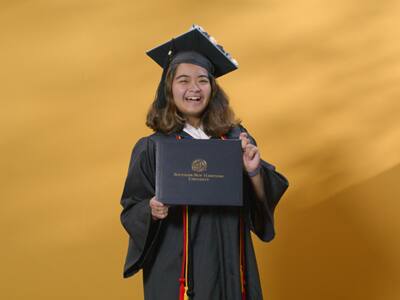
{"points": [[318, 86]]}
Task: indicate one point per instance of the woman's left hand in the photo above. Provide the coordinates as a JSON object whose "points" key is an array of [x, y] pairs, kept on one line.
{"points": [[251, 154]]}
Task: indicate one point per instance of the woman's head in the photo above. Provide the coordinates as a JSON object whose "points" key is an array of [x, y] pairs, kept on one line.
{"points": [[189, 86], [190, 93]]}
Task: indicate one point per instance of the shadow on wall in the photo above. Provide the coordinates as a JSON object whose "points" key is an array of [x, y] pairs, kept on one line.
{"points": [[343, 248]]}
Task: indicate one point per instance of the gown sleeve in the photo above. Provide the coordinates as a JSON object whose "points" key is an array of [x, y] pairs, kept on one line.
{"points": [[261, 211], [136, 214]]}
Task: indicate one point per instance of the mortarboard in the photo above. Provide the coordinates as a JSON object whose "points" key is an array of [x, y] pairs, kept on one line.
{"points": [[195, 40]]}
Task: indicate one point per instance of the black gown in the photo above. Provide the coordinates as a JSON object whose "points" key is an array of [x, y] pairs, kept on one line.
{"points": [[157, 246]]}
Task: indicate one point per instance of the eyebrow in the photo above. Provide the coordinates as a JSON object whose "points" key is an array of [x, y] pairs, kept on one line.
{"points": [[183, 75]]}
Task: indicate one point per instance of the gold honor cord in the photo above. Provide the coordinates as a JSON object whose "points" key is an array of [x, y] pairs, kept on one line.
{"points": [[183, 280]]}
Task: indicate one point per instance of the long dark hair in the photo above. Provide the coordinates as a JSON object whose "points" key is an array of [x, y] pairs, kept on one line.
{"points": [[217, 118]]}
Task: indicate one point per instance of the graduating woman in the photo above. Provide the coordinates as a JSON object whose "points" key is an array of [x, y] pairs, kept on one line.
{"points": [[196, 252]]}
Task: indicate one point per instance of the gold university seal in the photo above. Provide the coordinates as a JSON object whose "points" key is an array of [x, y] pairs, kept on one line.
{"points": [[199, 165]]}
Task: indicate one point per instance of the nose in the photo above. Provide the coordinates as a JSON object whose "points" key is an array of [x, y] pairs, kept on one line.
{"points": [[194, 87]]}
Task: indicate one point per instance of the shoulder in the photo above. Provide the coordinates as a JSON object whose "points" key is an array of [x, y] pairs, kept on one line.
{"points": [[236, 130], [148, 143], [143, 145], [144, 151]]}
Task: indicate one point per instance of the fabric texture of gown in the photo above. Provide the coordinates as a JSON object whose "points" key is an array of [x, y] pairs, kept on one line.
{"points": [[156, 246]]}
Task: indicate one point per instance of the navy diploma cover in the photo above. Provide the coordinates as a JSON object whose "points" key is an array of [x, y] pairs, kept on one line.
{"points": [[199, 172]]}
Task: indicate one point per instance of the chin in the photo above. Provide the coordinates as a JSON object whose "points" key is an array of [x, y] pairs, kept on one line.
{"points": [[192, 112]]}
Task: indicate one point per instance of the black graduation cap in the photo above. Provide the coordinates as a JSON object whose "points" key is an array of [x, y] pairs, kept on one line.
{"points": [[196, 39]]}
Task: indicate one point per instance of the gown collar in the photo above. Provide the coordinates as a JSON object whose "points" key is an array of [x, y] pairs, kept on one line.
{"points": [[196, 133]]}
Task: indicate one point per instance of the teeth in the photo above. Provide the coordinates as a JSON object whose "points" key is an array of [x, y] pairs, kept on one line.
{"points": [[193, 98]]}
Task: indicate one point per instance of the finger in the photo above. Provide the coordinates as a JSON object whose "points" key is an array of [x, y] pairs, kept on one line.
{"points": [[249, 147], [252, 152], [162, 209], [242, 135], [158, 211], [245, 141], [162, 215], [156, 214], [155, 203]]}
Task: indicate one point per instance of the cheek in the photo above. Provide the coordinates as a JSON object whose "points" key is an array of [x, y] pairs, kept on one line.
{"points": [[176, 92], [208, 92]]}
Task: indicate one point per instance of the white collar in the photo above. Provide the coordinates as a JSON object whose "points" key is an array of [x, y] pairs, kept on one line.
{"points": [[196, 133]]}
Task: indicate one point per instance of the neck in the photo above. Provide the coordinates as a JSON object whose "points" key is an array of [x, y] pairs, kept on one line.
{"points": [[195, 122]]}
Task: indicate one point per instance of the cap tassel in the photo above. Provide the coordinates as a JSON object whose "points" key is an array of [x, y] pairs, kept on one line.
{"points": [[161, 99]]}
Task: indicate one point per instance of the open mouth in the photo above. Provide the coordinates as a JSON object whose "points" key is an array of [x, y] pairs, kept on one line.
{"points": [[193, 99]]}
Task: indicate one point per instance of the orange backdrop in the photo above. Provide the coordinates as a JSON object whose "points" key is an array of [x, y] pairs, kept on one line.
{"points": [[318, 86]]}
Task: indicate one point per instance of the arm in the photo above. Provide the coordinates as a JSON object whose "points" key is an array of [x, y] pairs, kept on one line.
{"points": [[265, 187], [136, 215], [258, 186], [252, 165]]}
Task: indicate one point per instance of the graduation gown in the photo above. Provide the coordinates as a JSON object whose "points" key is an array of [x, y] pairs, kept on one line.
{"points": [[156, 247]]}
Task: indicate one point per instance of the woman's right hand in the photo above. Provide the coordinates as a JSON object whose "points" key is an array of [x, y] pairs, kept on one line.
{"points": [[158, 210]]}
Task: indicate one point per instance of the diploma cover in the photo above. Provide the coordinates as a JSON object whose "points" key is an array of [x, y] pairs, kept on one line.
{"points": [[199, 172]]}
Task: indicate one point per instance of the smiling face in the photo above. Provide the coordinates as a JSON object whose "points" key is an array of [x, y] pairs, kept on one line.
{"points": [[191, 91]]}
